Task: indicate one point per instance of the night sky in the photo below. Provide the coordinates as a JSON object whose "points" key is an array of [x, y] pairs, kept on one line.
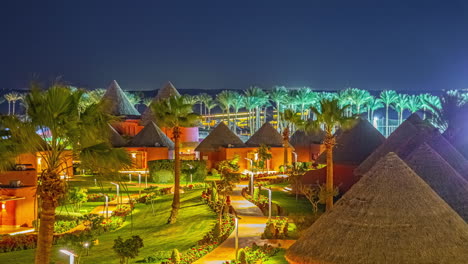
{"points": [[421, 45]]}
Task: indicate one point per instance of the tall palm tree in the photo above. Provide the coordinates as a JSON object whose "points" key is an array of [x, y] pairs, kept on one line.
{"points": [[205, 99], [289, 118], [261, 99], [9, 98], [57, 111], [330, 115], [174, 113], [414, 103], [372, 105], [237, 104], [388, 97], [400, 105], [12, 98], [346, 98], [302, 97], [250, 103], [427, 100], [278, 96], [225, 100], [359, 97], [210, 104]]}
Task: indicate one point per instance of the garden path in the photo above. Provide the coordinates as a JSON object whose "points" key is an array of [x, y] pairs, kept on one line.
{"points": [[251, 226]]}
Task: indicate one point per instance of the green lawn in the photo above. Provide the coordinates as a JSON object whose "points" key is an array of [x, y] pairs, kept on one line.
{"points": [[279, 258], [288, 202], [194, 221]]}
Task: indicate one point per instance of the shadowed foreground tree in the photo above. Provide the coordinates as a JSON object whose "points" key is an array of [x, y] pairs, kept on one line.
{"points": [[330, 116], [174, 113], [62, 126]]}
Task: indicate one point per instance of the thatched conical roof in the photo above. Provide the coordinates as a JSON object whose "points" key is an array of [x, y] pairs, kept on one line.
{"points": [[151, 136], [443, 179], [305, 139], [266, 135], [116, 139], [450, 154], [221, 136], [165, 92], [354, 145], [390, 216], [408, 136], [120, 105]]}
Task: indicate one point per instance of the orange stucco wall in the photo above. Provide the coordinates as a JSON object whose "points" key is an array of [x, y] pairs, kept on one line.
{"points": [[141, 156], [28, 177], [213, 158], [129, 127], [19, 212], [308, 153], [343, 176], [67, 167]]}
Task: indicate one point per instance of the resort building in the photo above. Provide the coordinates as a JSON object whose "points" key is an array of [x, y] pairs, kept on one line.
{"points": [[352, 147], [307, 146], [389, 216]]}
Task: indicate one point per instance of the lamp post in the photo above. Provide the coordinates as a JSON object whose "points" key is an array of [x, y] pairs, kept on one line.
{"points": [[129, 177], [269, 204], [251, 163], [86, 245], [139, 180], [117, 188], [146, 179], [295, 156], [191, 167], [106, 206], [252, 184], [236, 235], [70, 254]]}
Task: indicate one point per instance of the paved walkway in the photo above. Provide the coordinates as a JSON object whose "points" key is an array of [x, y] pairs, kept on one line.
{"points": [[251, 226]]}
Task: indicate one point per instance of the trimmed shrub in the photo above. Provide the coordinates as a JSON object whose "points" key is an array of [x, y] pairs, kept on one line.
{"points": [[242, 257], [162, 171], [175, 257]]}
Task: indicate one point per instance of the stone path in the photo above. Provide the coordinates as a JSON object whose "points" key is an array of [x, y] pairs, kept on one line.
{"points": [[251, 226]]}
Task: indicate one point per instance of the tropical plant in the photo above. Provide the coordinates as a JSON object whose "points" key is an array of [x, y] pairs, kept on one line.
{"points": [[77, 196], [210, 104], [304, 96], [204, 99], [12, 98], [278, 96], [225, 100], [133, 98], [359, 97], [400, 105], [263, 154], [250, 103], [261, 99], [427, 100], [290, 118], [414, 103], [237, 104], [388, 97], [330, 116], [345, 98], [373, 104], [174, 113], [9, 99], [127, 249], [56, 112]]}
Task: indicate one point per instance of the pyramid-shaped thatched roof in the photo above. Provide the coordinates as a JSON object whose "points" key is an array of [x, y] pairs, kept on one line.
{"points": [[165, 92], [305, 139], [408, 136], [443, 179], [221, 136], [116, 139], [390, 216], [460, 141], [266, 135], [120, 105], [353, 146], [450, 154], [151, 136]]}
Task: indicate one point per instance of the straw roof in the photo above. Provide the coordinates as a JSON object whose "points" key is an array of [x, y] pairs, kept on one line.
{"points": [[266, 135], [443, 179], [116, 139], [151, 136], [221, 136], [408, 136], [390, 216], [120, 105], [165, 92], [354, 145], [450, 154], [305, 139]]}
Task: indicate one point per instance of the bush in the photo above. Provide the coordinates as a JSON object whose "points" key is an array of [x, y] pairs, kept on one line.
{"points": [[62, 226], [127, 249], [242, 257], [175, 257], [18, 242], [112, 223], [162, 171], [122, 210]]}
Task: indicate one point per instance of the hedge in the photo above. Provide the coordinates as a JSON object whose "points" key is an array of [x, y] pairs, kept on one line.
{"points": [[162, 171]]}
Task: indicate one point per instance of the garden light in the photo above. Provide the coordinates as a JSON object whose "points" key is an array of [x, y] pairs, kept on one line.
{"points": [[117, 188], [70, 254], [250, 161], [269, 204], [86, 245], [139, 179], [295, 156]]}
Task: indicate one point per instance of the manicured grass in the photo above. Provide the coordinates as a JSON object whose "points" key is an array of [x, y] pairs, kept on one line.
{"points": [[279, 258], [194, 221], [288, 202]]}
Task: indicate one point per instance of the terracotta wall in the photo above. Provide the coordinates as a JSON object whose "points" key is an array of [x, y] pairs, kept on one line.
{"points": [[129, 127], [19, 212], [27, 158], [343, 176], [67, 167], [141, 156], [27, 177]]}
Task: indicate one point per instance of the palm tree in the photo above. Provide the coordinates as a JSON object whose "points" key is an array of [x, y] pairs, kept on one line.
{"points": [[400, 105], [359, 97], [174, 113], [210, 104], [302, 97], [388, 97], [330, 115], [290, 118], [225, 100], [250, 103], [9, 98], [12, 98], [205, 99], [414, 103], [427, 100], [261, 99], [57, 111], [450, 115], [237, 104], [278, 96], [372, 105]]}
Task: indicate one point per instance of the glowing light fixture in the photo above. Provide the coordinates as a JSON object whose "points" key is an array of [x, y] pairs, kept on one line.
{"points": [[70, 254]]}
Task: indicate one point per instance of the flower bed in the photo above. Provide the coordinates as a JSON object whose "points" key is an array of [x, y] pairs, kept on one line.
{"points": [[262, 202], [123, 210], [276, 228], [254, 254], [62, 226]]}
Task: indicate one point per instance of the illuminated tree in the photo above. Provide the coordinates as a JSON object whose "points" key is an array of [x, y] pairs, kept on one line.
{"points": [[237, 104], [388, 97], [174, 113], [359, 97], [278, 96], [225, 100], [414, 103], [428, 100], [400, 105], [57, 112], [331, 116]]}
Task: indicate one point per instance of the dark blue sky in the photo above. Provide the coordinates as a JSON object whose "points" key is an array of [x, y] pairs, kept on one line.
{"points": [[402, 45]]}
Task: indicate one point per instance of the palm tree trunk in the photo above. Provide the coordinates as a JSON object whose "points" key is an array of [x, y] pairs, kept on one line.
{"points": [[386, 120], [285, 146], [329, 183], [14, 103], [9, 103], [278, 117], [176, 201], [46, 232]]}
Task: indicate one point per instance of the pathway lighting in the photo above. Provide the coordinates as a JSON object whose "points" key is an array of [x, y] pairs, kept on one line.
{"points": [[269, 204], [118, 189], [70, 254]]}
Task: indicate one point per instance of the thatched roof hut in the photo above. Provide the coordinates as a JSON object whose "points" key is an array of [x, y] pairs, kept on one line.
{"points": [[408, 136], [301, 138], [165, 92], [266, 135], [120, 105], [450, 154], [443, 179], [151, 136], [390, 216], [116, 139], [221, 136], [354, 145]]}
